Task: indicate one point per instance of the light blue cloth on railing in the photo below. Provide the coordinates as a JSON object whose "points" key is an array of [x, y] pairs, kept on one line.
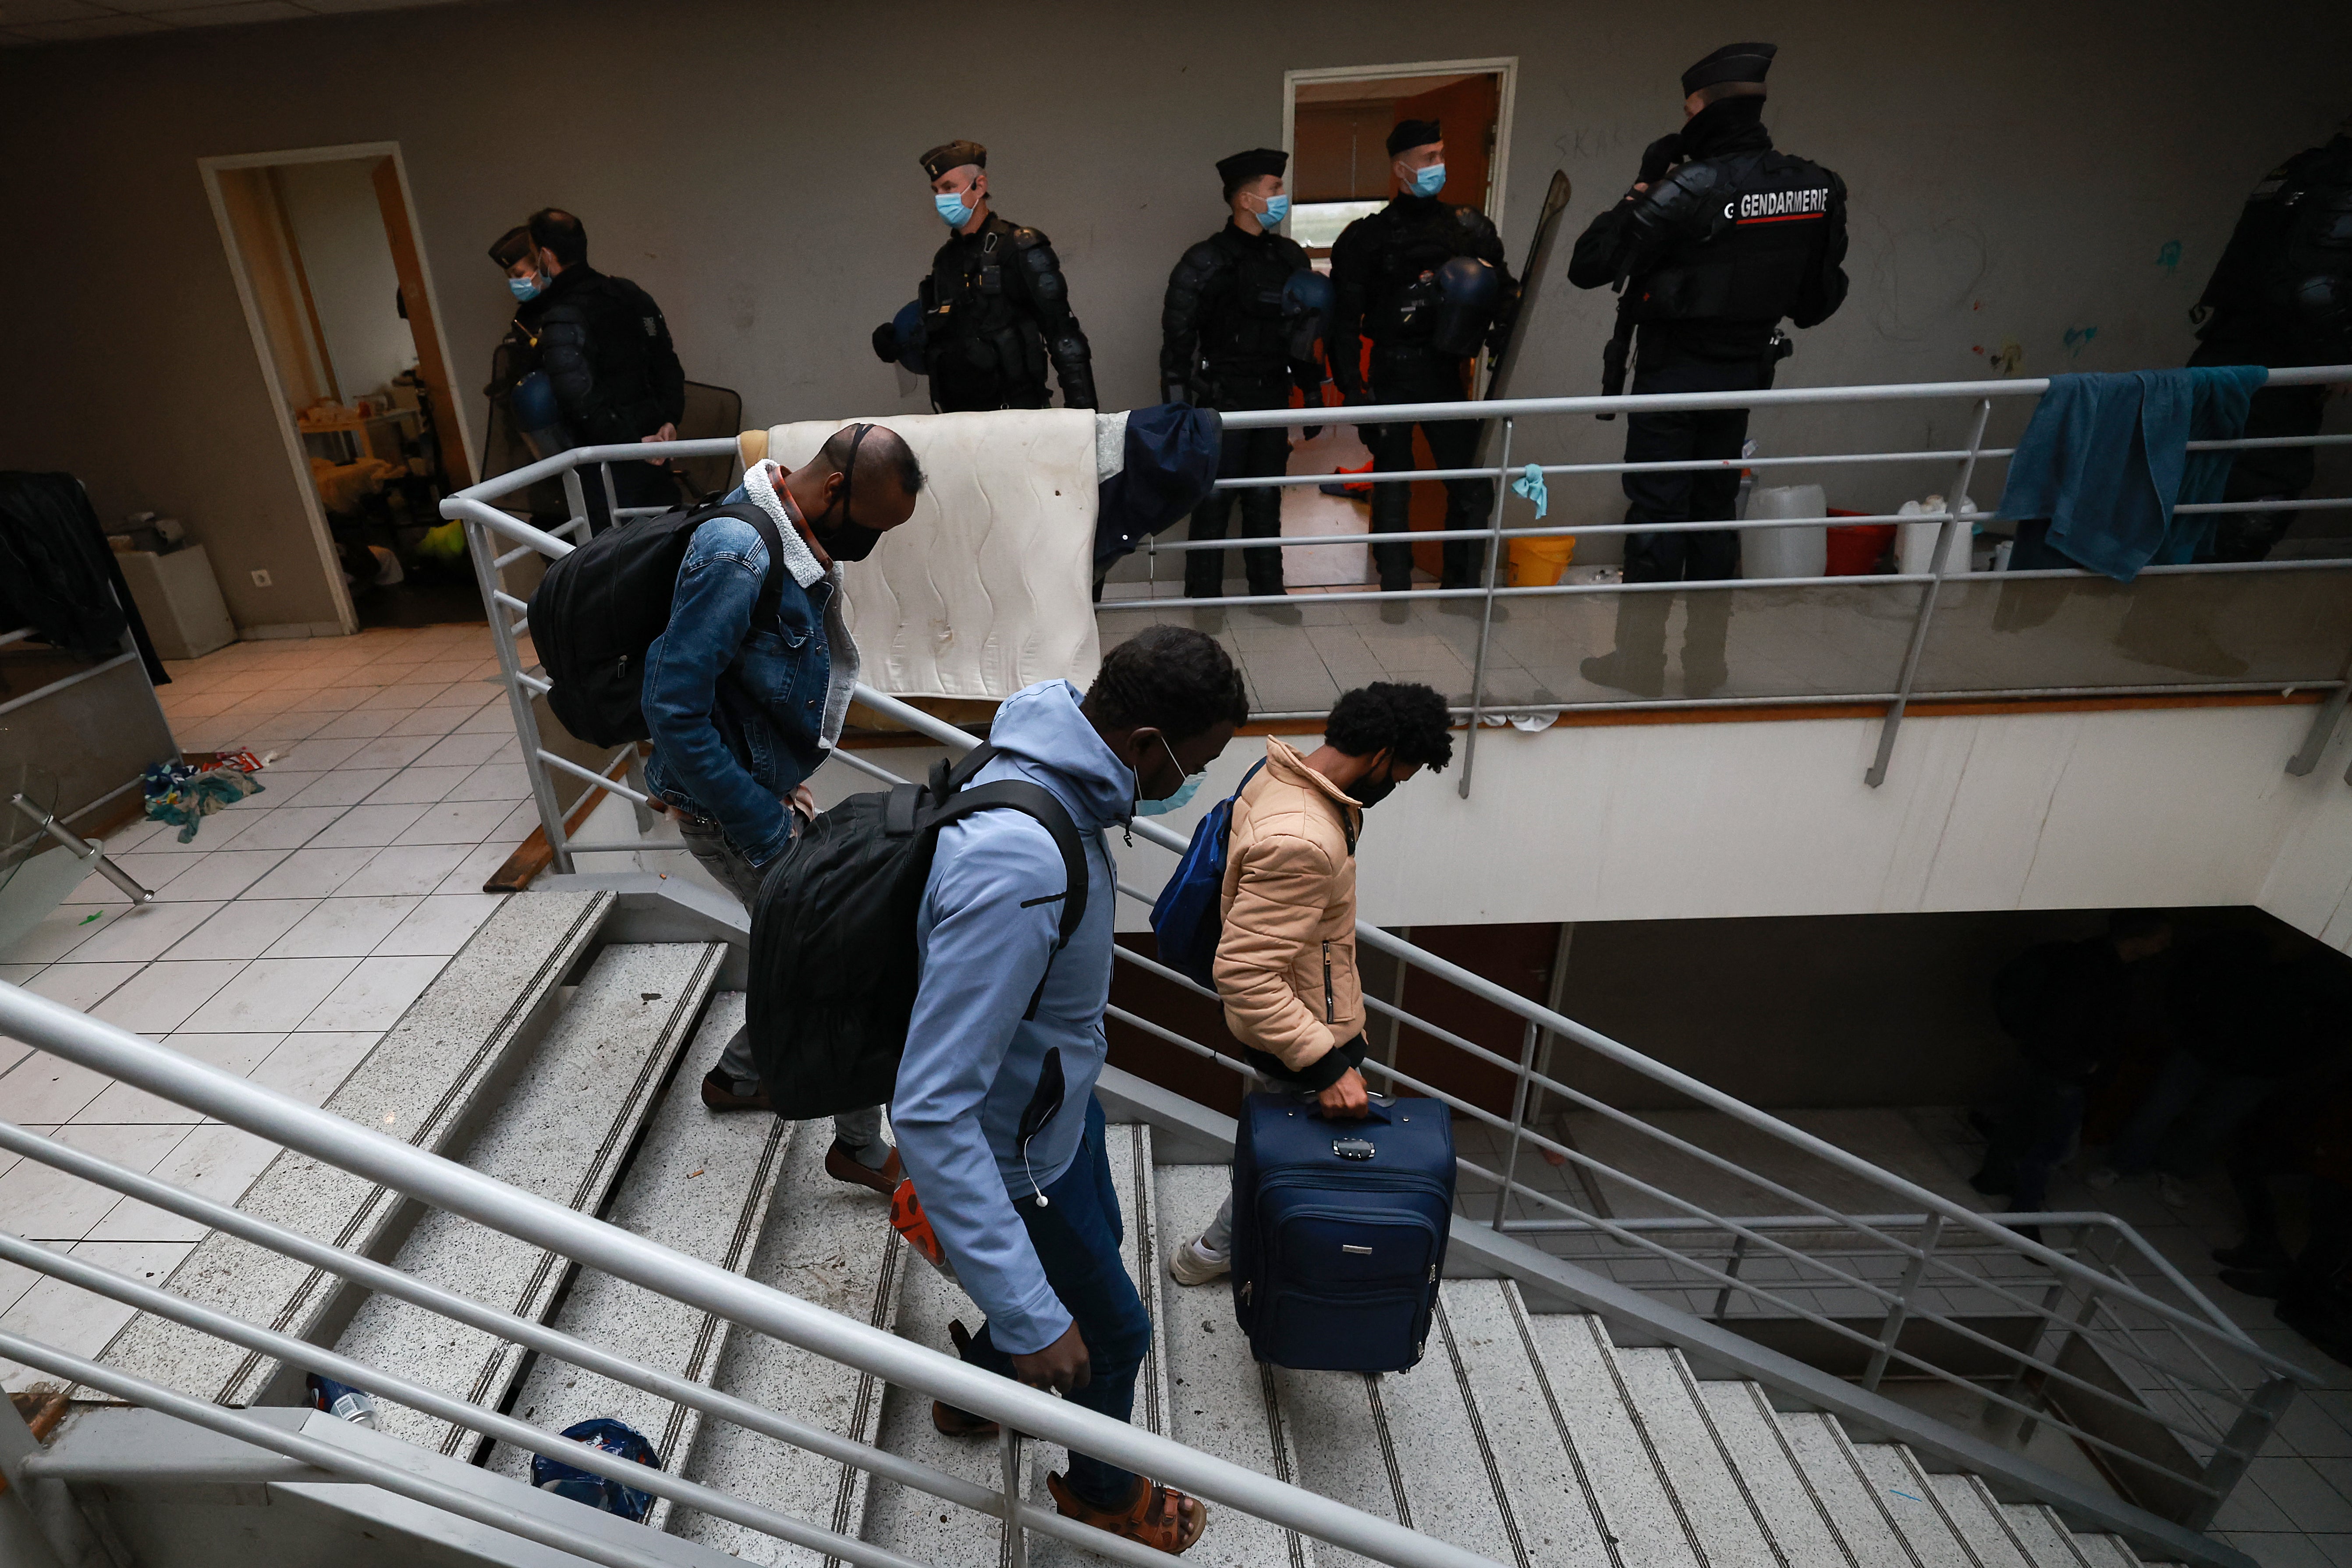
{"points": [[2105, 459], [1531, 485]]}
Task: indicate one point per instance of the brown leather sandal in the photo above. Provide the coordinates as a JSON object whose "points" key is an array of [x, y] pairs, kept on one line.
{"points": [[843, 1167], [1159, 1517]]}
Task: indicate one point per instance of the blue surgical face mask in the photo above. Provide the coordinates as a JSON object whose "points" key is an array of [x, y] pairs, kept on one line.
{"points": [[952, 208], [1430, 181], [524, 288], [1276, 209], [1191, 787]]}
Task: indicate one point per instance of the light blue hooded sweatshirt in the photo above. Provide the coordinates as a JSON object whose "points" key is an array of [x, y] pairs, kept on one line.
{"points": [[991, 912]]}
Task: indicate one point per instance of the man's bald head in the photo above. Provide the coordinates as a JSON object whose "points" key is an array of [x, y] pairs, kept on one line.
{"points": [[861, 484], [883, 461]]}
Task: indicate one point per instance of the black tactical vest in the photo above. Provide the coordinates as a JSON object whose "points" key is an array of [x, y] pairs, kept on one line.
{"points": [[1412, 241], [1750, 243], [1243, 336], [983, 347], [2284, 286]]}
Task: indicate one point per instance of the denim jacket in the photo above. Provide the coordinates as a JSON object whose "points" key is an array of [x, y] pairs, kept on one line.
{"points": [[741, 713]]}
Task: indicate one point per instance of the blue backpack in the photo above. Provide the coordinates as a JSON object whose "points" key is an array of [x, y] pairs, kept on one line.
{"points": [[1189, 916]]}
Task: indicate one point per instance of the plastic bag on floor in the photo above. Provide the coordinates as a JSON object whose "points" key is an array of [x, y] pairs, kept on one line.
{"points": [[615, 1437]]}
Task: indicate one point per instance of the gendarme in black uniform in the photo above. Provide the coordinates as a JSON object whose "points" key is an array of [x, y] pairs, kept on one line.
{"points": [[607, 354], [1710, 258], [1384, 270], [995, 309], [1229, 336], [2282, 295]]}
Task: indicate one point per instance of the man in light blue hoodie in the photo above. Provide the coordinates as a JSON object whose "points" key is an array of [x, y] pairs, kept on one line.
{"points": [[995, 1110]]}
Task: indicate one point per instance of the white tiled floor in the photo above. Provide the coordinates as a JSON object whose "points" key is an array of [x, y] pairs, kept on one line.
{"points": [[285, 937]]}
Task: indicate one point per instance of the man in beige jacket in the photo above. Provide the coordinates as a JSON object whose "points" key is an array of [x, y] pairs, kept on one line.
{"points": [[1287, 959]]}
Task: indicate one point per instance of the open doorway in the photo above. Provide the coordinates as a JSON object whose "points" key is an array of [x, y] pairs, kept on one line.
{"points": [[323, 244], [1335, 124]]}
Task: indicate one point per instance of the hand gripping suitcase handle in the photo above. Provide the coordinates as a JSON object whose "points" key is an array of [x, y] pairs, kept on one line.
{"points": [[1378, 1108]]}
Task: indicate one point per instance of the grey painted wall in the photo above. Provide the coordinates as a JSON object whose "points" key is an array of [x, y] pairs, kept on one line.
{"points": [[2020, 171]]}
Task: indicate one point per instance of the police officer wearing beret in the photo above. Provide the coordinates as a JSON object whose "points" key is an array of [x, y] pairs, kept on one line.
{"points": [[1235, 333], [1426, 320], [995, 307], [1719, 239]]}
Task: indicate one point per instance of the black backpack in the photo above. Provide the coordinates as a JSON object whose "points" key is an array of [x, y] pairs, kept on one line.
{"points": [[599, 609], [833, 969]]}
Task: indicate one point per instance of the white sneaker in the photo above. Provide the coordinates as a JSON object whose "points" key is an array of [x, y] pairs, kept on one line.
{"points": [[1192, 1264], [2099, 1178], [2171, 1191]]}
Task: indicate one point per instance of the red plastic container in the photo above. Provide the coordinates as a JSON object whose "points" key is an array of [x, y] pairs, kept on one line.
{"points": [[1857, 550]]}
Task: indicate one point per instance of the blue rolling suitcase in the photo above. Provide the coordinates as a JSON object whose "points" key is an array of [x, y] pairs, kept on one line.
{"points": [[1339, 1231]]}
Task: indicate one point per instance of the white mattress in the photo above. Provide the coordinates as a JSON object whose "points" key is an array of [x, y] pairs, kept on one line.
{"points": [[988, 587]]}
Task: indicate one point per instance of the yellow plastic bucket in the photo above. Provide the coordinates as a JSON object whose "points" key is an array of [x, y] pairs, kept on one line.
{"points": [[1538, 563]]}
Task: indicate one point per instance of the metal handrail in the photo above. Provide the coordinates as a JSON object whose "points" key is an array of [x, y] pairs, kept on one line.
{"points": [[1624, 1056], [695, 1282], [1681, 402], [1979, 1231], [390, 1281], [1898, 1303]]}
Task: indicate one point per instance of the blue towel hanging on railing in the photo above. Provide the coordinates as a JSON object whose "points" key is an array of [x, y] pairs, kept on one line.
{"points": [[2105, 460]]}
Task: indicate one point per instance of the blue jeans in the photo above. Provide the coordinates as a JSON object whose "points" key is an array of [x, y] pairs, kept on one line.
{"points": [[1077, 1237], [2188, 1113]]}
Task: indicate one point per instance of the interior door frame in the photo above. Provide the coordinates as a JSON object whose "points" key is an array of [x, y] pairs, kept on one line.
{"points": [[290, 436], [1506, 67]]}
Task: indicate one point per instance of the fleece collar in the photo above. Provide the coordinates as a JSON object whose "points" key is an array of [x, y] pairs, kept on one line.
{"points": [[759, 484]]}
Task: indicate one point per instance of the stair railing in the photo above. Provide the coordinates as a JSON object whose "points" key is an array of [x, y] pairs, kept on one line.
{"points": [[442, 1184], [1957, 468], [499, 539], [2054, 1303]]}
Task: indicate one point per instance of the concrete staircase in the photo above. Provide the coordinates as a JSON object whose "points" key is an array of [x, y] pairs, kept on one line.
{"points": [[1528, 1437]]}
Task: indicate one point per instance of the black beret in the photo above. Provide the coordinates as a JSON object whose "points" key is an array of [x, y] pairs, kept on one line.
{"points": [[1250, 166], [953, 155], [512, 246], [1412, 133], [1733, 62]]}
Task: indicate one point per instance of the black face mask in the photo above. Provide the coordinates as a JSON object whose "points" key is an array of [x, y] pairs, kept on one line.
{"points": [[848, 540], [1371, 792]]}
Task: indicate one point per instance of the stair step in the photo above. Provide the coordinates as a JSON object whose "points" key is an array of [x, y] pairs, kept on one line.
{"points": [[1410, 1447], [1224, 1401], [1714, 1498], [1976, 1515], [1796, 1518], [1641, 1511], [563, 1133], [701, 1184], [1915, 1507], [914, 1524], [426, 1079], [1545, 1475], [2048, 1543], [1850, 1498], [829, 1243], [2107, 1552]]}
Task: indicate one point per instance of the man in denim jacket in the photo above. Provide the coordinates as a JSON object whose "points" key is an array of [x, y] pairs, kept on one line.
{"points": [[742, 712]]}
